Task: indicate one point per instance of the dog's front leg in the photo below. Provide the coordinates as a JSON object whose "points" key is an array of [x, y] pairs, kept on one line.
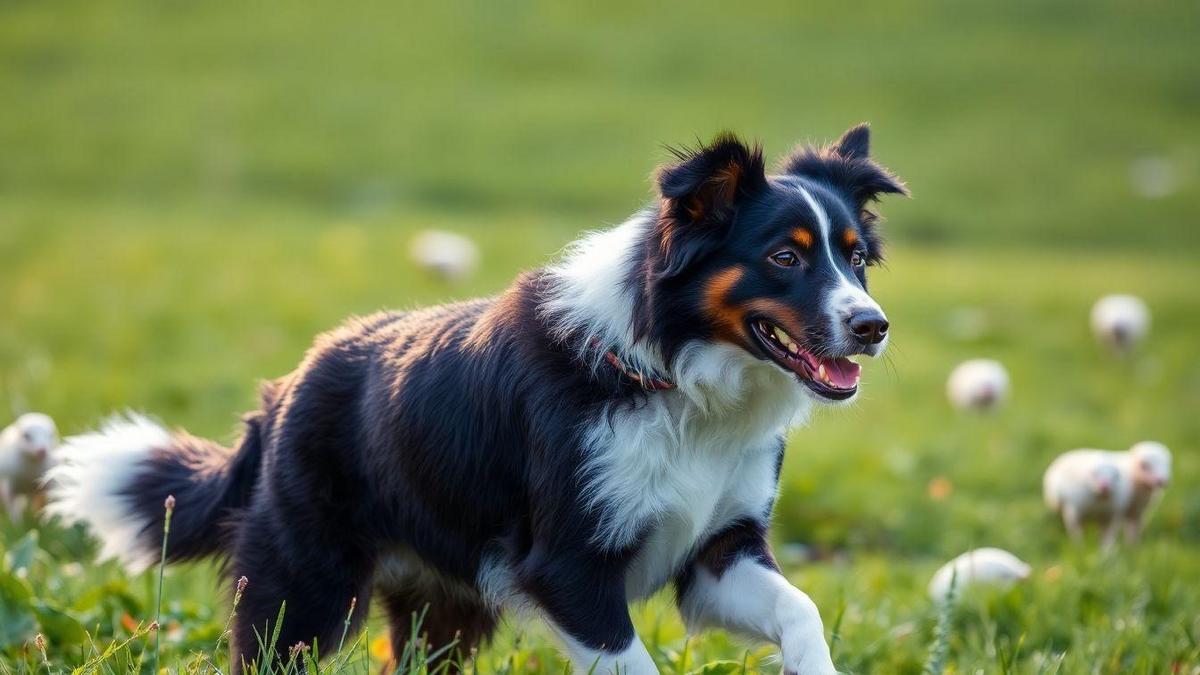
{"points": [[735, 584], [583, 600]]}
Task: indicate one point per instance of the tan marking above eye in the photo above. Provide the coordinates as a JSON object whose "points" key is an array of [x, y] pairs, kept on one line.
{"points": [[803, 237], [850, 237]]}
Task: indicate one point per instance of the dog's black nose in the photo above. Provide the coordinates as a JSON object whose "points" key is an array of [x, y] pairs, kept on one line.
{"points": [[870, 326]]}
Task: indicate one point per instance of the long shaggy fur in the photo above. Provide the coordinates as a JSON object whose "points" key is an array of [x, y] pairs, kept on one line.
{"points": [[475, 457]]}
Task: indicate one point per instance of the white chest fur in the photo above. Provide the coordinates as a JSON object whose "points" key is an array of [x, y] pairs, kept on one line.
{"points": [[722, 492], [689, 460], [687, 463]]}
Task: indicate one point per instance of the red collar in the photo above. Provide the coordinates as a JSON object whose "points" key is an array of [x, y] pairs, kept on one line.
{"points": [[648, 382]]}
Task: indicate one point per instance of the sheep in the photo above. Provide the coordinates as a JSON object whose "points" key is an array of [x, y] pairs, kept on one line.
{"points": [[978, 385], [1111, 488], [1120, 322], [979, 567], [448, 255], [26, 452]]}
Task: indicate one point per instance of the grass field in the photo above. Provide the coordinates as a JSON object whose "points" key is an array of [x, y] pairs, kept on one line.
{"points": [[189, 192]]}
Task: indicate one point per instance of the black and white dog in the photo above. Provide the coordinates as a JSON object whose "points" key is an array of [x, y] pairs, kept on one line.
{"points": [[604, 427]]}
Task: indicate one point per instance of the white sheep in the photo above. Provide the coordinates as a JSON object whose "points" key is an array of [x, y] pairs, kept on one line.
{"points": [[1106, 487], [1120, 322], [26, 452], [978, 384], [446, 254], [979, 567]]}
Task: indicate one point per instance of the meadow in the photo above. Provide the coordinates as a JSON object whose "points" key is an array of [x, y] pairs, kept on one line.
{"points": [[190, 192]]}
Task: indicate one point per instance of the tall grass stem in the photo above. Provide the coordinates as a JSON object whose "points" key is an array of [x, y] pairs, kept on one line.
{"points": [[169, 507]]}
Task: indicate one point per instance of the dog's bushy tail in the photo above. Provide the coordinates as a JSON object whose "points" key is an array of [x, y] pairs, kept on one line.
{"points": [[116, 481]]}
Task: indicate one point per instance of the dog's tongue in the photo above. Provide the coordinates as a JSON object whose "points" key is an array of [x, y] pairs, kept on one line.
{"points": [[843, 373]]}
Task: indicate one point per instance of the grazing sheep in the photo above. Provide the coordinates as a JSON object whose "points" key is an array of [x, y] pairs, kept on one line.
{"points": [[1083, 486], [978, 384], [26, 448], [980, 567], [1119, 322], [446, 254], [1080, 486]]}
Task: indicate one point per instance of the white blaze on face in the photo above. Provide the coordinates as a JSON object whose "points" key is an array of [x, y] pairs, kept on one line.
{"points": [[847, 297]]}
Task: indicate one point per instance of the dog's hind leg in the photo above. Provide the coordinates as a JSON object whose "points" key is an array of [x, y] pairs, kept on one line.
{"points": [[450, 621], [319, 574]]}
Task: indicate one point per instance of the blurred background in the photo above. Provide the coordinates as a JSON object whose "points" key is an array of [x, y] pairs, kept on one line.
{"points": [[190, 191]]}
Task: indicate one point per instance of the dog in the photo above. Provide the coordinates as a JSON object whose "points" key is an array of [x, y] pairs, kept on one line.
{"points": [[607, 426]]}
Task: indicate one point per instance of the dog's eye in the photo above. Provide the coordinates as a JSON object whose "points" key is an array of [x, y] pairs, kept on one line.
{"points": [[785, 258], [857, 259]]}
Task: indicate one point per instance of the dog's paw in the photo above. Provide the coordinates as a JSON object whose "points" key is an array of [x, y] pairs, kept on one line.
{"points": [[811, 666]]}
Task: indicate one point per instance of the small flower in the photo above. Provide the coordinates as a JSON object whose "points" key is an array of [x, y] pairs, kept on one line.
{"points": [[153, 626], [40, 641], [169, 503], [241, 583], [298, 649], [939, 489], [381, 648]]}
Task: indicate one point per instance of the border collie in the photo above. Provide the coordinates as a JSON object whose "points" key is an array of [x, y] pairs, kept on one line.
{"points": [[604, 427]]}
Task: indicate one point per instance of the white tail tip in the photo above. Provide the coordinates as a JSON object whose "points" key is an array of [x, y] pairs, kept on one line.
{"points": [[92, 471]]}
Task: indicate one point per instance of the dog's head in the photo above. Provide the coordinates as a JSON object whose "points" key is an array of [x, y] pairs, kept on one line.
{"points": [[774, 264]]}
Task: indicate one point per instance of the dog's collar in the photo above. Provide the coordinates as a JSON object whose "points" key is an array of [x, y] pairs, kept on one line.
{"points": [[647, 382]]}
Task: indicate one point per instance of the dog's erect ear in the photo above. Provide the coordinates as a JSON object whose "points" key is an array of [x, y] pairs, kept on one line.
{"points": [[856, 142], [847, 166], [700, 196]]}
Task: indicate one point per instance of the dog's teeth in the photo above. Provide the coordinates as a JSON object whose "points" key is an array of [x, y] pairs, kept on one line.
{"points": [[793, 347], [821, 372]]}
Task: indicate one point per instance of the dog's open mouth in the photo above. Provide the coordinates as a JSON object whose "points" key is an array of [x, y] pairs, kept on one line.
{"points": [[835, 379]]}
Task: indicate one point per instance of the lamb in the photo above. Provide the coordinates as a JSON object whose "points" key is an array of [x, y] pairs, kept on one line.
{"points": [[26, 452], [1120, 322], [1110, 488], [978, 385], [450, 256], [981, 566]]}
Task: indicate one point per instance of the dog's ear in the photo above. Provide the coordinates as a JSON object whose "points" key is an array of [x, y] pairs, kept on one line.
{"points": [[700, 194], [847, 166], [856, 142]]}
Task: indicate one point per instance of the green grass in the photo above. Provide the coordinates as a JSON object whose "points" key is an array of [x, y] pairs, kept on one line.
{"points": [[855, 484], [189, 192]]}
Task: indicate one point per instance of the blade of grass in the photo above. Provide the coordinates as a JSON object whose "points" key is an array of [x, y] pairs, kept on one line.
{"points": [[938, 653], [169, 506]]}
